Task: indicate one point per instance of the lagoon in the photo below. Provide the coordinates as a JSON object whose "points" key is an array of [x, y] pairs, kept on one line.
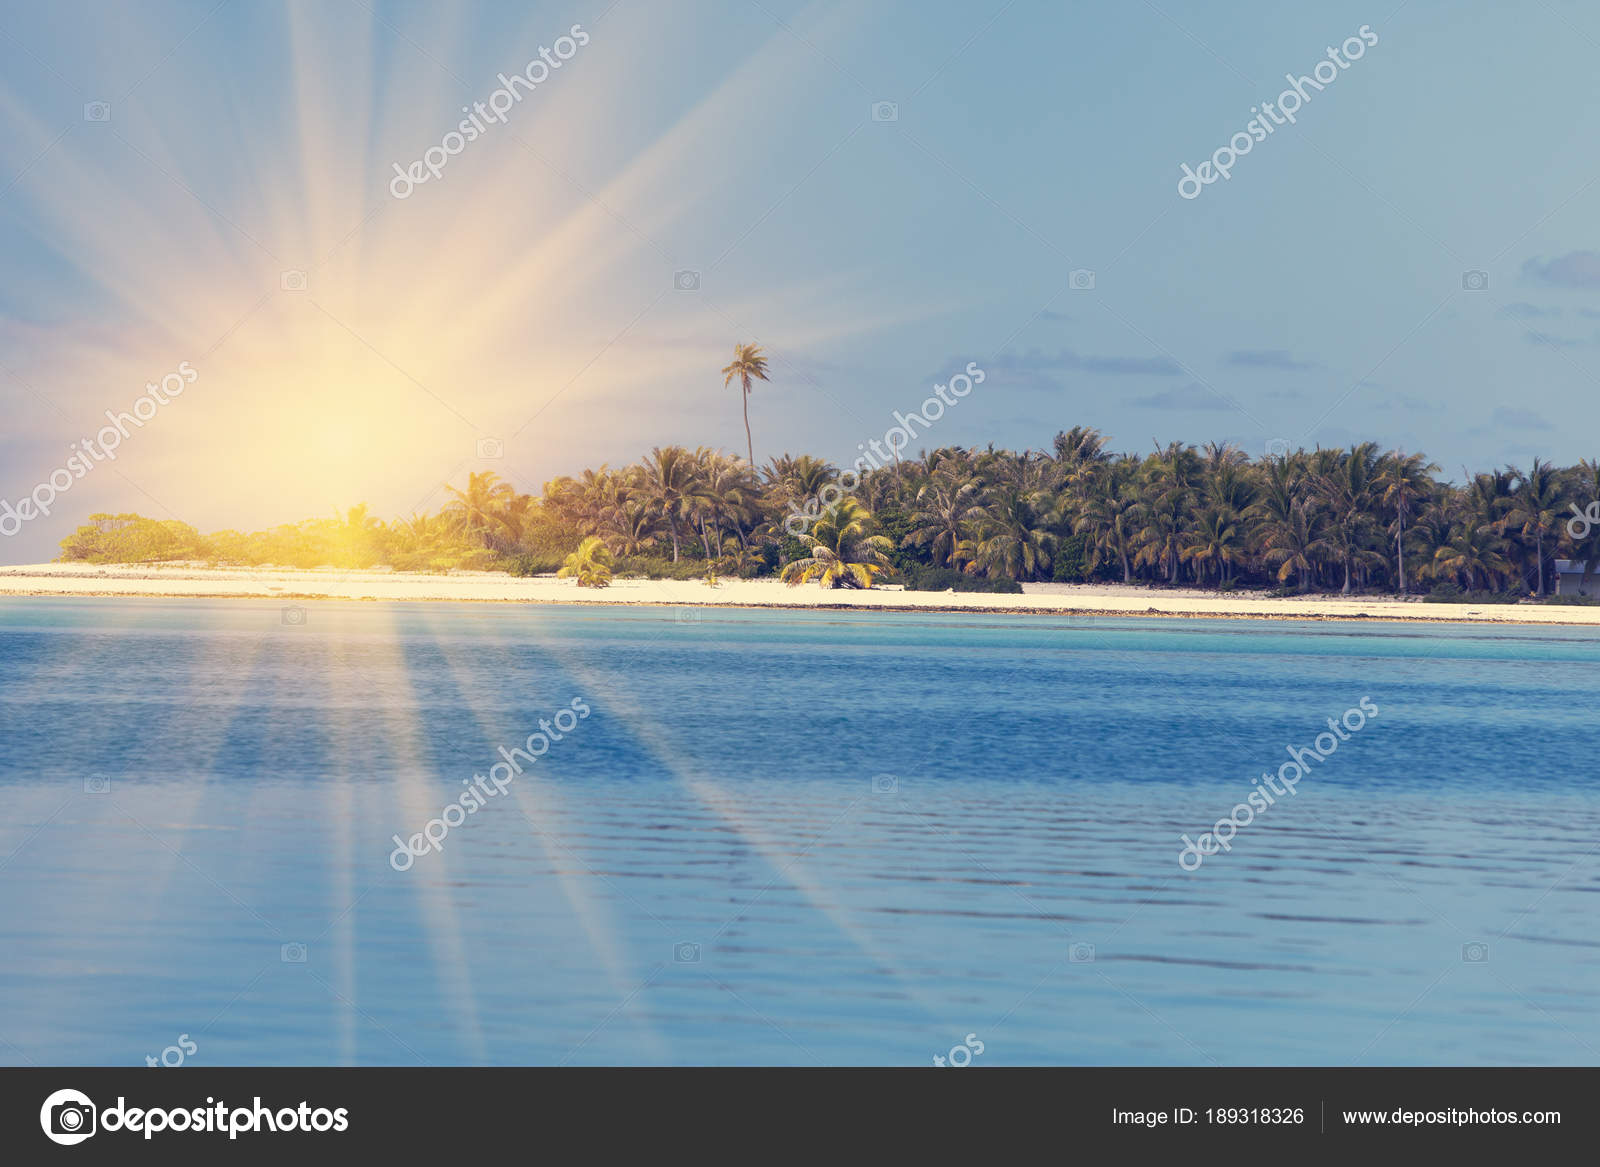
{"points": [[788, 837]]}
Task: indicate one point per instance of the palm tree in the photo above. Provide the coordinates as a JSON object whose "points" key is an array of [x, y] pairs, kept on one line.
{"points": [[1110, 516], [674, 488], [1012, 540], [480, 509], [1294, 543], [1348, 491], [1216, 540], [748, 365], [944, 507], [1536, 511], [1474, 549], [1078, 451], [843, 552], [1402, 482], [590, 563]]}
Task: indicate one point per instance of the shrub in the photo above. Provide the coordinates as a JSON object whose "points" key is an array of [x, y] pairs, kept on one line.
{"points": [[590, 563], [133, 538], [528, 564], [944, 579], [1449, 593], [656, 567], [1072, 560]]}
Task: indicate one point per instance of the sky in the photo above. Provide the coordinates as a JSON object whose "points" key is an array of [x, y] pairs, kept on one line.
{"points": [[880, 193]]}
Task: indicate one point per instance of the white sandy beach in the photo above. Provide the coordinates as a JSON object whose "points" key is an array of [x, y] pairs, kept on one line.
{"points": [[184, 580]]}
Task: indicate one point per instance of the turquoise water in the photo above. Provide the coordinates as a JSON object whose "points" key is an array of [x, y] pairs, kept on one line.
{"points": [[788, 837]]}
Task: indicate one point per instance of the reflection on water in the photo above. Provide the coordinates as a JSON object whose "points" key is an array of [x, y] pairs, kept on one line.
{"points": [[788, 837]]}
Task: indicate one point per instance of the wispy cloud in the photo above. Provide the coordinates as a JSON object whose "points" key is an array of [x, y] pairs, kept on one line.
{"points": [[1576, 269], [1036, 361], [1193, 396], [1522, 310], [1276, 358], [1520, 419], [1549, 339]]}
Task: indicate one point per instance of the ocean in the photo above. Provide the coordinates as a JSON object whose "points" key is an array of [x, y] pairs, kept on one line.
{"points": [[790, 837]]}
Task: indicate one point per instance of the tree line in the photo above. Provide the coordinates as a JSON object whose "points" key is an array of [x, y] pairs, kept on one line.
{"points": [[1360, 519]]}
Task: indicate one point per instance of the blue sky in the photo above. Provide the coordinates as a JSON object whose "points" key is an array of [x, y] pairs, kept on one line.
{"points": [[528, 293]]}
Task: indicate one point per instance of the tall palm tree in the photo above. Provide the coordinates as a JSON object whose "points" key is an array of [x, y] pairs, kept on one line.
{"points": [[844, 554], [1347, 490], [1402, 482], [1536, 511], [747, 365]]}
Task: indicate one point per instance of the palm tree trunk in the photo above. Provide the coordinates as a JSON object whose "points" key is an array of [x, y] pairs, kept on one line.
{"points": [[749, 446], [1540, 592], [672, 526], [1399, 551]]}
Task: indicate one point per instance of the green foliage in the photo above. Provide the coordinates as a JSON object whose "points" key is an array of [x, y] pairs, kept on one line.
{"points": [[528, 564], [133, 538], [944, 579], [659, 567], [1358, 520], [590, 564], [1072, 560], [1449, 593]]}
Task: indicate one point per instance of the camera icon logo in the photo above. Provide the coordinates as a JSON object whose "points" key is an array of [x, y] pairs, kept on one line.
{"points": [[97, 784], [292, 953], [294, 614], [97, 111], [1081, 953], [686, 280], [491, 448], [686, 953], [885, 111], [292, 281], [1475, 281], [1475, 952], [885, 784], [68, 1117], [1081, 280], [1277, 447]]}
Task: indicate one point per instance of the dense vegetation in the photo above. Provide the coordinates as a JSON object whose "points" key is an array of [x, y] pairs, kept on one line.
{"points": [[1333, 520]]}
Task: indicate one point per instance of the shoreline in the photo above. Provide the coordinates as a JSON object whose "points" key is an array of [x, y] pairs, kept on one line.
{"points": [[294, 585]]}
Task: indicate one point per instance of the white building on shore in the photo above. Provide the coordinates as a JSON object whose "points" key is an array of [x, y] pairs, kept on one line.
{"points": [[1569, 579]]}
